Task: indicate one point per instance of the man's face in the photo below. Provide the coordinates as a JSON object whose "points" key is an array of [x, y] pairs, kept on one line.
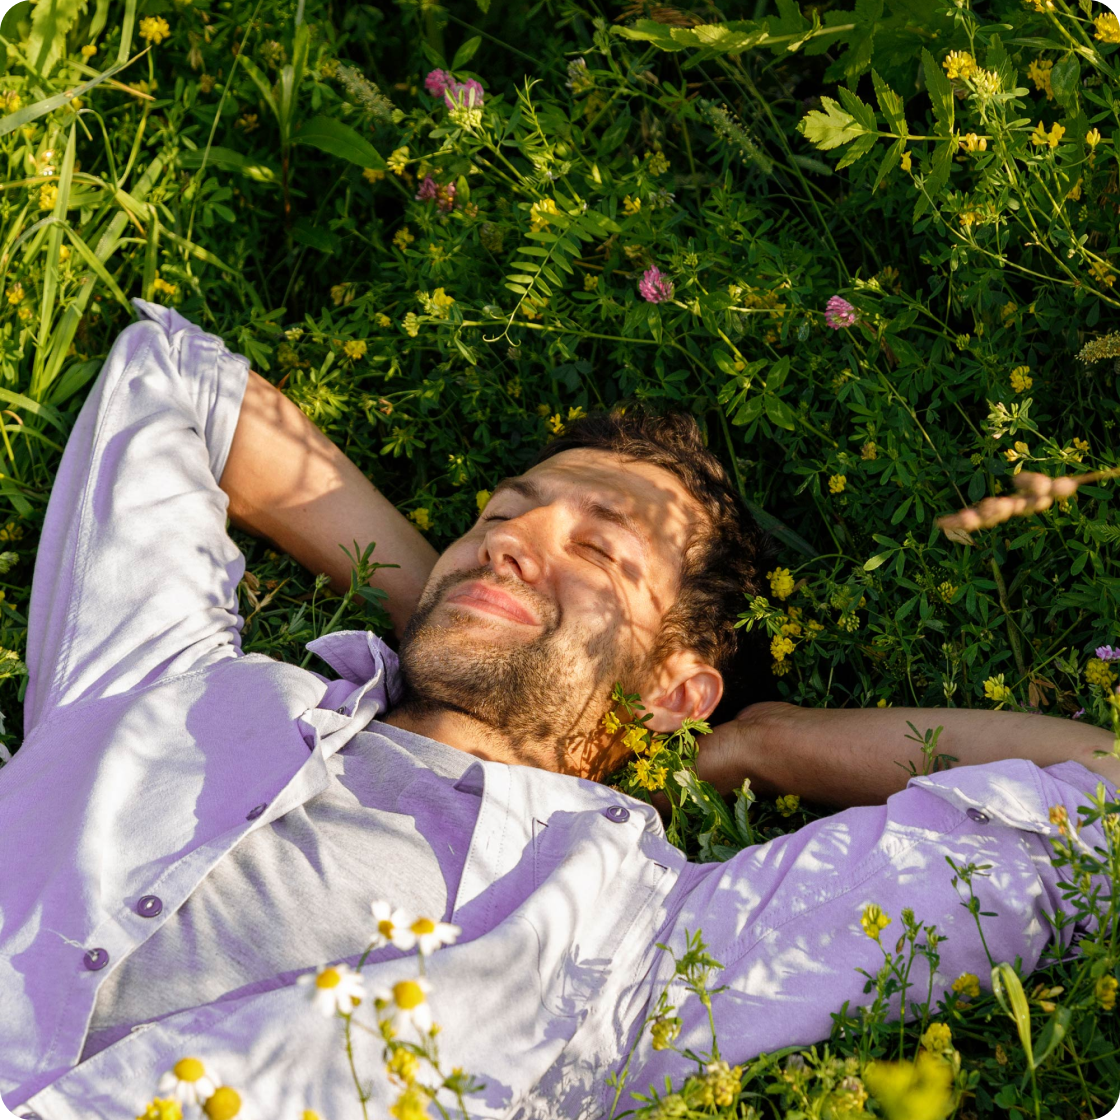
{"points": [[557, 591]]}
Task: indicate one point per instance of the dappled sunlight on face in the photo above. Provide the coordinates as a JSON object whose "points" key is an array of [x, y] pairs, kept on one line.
{"points": [[557, 591]]}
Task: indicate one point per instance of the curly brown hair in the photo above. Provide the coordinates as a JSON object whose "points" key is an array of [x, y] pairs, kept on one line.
{"points": [[721, 564]]}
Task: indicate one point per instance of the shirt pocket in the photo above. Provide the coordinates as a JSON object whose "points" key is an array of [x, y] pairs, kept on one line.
{"points": [[592, 906]]}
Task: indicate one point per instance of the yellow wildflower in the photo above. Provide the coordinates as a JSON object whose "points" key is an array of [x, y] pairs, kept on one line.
{"points": [[154, 29], [869, 450], [64, 256], [938, 1037], [648, 775], [422, 518], [905, 161], [881, 702], [788, 804], [634, 739], [162, 1109], [658, 164], [1075, 192], [590, 282], [441, 301], [1097, 672], [354, 348], [611, 722], [576, 413], [398, 161], [631, 205], [88, 51], [874, 921], [946, 590], [403, 238], [1039, 73], [225, 1104], [382, 320], [996, 691], [780, 647], [1020, 382], [25, 313], [664, 1032], [837, 482], [1106, 986], [161, 287], [373, 174], [403, 1064], [1019, 451], [1059, 815], [1052, 138], [1108, 28], [909, 1090], [967, 985], [342, 294], [781, 583], [1093, 137], [974, 143], [556, 424], [15, 293], [411, 325], [481, 498], [959, 64], [1103, 273], [48, 196], [540, 212], [412, 1104], [780, 668]]}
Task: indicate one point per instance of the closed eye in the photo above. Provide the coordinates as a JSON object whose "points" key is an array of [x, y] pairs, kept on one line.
{"points": [[596, 548]]}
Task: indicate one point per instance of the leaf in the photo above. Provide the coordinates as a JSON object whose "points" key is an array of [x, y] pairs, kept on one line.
{"points": [[50, 22], [1065, 81], [890, 104], [863, 114], [779, 412], [940, 91], [466, 52], [860, 147], [30, 113], [829, 129], [940, 166], [1008, 990], [338, 139], [876, 561], [650, 31]]}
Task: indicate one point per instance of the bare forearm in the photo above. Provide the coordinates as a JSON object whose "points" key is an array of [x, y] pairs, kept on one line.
{"points": [[848, 756], [287, 482]]}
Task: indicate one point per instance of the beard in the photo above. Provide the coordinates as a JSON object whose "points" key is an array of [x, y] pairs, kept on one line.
{"points": [[543, 697]]}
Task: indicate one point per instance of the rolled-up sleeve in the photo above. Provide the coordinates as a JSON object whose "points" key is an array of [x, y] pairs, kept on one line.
{"points": [[783, 918]]}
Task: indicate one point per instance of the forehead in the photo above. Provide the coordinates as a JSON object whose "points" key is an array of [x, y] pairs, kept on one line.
{"points": [[652, 495]]}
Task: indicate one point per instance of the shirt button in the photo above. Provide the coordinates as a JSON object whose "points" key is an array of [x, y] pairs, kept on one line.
{"points": [[617, 813], [977, 816], [150, 906], [256, 811], [96, 959], [342, 711]]}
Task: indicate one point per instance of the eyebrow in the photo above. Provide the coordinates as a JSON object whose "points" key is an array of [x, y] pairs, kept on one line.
{"points": [[588, 505]]}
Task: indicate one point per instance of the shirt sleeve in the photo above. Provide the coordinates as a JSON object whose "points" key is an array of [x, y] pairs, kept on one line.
{"points": [[783, 918]]}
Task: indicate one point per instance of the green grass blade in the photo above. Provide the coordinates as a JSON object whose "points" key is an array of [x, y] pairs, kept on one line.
{"points": [[126, 31]]}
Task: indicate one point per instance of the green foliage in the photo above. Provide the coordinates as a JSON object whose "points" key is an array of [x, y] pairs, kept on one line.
{"points": [[950, 174]]}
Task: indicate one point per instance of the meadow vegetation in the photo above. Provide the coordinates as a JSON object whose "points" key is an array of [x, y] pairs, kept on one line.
{"points": [[874, 251]]}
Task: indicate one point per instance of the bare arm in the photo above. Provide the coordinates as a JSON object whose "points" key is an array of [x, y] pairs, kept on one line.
{"points": [[847, 756], [290, 484]]}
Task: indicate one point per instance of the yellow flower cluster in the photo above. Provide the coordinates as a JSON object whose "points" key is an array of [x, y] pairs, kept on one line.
{"points": [[664, 1031], [788, 804], [398, 161], [373, 175], [946, 590], [938, 1037], [781, 583], [162, 1109], [556, 424], [720, 1086], [48, 196], [15, 293], [481, 498], [1039, 73], [959, 64], [874, 921], [411, 325], [649, 775], [422, 518], [403, 238], [632, 206], [973, 143], [869, 451], [1107, 28], [161, 287], [1101, 271], [540, 213], [837, 482], [440, 301], [154, 29], [657, 163], [1020, 382], [1106, 986], [967, 985], [1097, 672], [1019, 451], [354, 348], [412, 1104], [1052, 138], [780, 647], [1093, 137], [996, 691]]}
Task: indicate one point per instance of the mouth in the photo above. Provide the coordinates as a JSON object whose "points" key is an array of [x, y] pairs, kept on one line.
{"points": [[489, 600]]}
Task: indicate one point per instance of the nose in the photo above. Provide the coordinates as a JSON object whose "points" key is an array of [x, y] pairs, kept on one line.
{"points": [[519, 546]]}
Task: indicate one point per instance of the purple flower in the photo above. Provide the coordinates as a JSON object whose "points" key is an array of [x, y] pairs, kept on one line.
{"points": [[839, 313], [1107, 653], [1078, 714], [437, 81], [463, 95], [429, 189], [655, 286]]}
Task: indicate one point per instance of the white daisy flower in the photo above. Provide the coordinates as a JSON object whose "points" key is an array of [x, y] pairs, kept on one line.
{"points": [[337, 987], [407, 1002], [431, 935], [187, 1083], [391, 927]]}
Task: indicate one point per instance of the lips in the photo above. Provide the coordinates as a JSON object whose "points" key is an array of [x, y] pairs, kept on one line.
{"points": [[492, 601]]}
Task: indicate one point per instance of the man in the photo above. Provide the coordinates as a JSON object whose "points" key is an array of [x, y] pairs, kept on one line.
{"points": [[189, 830]]}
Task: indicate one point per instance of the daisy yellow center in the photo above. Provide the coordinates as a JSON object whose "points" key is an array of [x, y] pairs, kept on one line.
{"points": [[223, 1105], [188, 1069], [328, 978], [422, 926], [407, 995], [385, 927]]}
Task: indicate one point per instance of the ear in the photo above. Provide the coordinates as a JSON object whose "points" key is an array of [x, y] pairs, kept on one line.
{"points": [[684, 687]]}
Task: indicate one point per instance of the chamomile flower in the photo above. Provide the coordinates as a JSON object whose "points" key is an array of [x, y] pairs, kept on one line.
{"points": [[391, 926], [407, 1002], [335, 988], [430, 936], [187, 1082]]}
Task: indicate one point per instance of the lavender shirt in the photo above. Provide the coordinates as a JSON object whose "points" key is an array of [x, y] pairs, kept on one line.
{"points": [[155, 747]]}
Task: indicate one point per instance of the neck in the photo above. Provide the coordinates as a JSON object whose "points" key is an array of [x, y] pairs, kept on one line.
{"points": [[580, 754]]}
